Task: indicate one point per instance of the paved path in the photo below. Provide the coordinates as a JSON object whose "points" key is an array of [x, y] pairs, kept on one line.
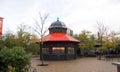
{"points": [[78, 65]]}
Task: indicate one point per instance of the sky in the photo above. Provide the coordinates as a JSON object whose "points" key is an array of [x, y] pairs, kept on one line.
{"points": [[78, 15]]}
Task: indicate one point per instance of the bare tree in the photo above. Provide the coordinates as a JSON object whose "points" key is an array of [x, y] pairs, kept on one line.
{"points": [[39, 25], [102, 32], [40, 30]]}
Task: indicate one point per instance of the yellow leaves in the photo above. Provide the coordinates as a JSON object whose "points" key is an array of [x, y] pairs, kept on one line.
{"points": [[108, 44]]}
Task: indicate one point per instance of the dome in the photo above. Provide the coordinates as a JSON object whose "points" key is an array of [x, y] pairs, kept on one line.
{"points": [[57, 24]]}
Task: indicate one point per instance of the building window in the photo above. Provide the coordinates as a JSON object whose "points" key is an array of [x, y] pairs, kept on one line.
{"points": [[45, 50], [58, 50], [71, 50]]}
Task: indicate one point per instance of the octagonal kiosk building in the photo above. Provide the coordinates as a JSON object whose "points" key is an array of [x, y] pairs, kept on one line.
{"points": [[58, 44]]}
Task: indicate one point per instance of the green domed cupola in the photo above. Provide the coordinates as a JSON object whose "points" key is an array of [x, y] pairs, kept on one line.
{"points": [[57, 26]]}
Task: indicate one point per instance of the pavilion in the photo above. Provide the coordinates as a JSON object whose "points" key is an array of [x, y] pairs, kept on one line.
{"points": [[58, 44]]}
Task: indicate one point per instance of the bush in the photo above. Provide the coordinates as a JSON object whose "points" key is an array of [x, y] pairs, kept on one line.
{"points": [[14, 58]]}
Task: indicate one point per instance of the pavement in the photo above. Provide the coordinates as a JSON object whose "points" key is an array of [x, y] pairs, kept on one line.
{"points": [[87, 64]]}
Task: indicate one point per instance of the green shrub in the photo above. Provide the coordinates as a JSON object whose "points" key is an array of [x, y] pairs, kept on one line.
{"points": [[15, 58]]}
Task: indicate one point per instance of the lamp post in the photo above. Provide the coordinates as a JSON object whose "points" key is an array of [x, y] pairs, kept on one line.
{"points": [[41, 53], [101, 46], [100, 39]]}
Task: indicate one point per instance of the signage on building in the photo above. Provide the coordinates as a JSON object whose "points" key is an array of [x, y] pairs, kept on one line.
{"points": [[1, 25]]}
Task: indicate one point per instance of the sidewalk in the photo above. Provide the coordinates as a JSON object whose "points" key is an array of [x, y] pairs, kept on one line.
{"points": [[78, 65]]}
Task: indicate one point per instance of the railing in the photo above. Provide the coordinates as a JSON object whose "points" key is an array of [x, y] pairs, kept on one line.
{"points": [[111, 56]]}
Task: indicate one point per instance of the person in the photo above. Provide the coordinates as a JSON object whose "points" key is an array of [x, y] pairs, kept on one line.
{"points": [[98, 54]]}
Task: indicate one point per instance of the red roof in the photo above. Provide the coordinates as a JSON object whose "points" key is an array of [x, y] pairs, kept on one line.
{"points": [[59, 37]]}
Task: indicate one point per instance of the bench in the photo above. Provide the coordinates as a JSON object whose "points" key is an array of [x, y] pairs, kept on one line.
{"points": [[118, 65]]}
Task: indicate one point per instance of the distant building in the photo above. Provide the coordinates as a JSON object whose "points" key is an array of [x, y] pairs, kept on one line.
{"points": [[69, 32], [58, 44]]}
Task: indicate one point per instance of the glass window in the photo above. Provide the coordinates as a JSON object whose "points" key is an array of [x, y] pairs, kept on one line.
{"points": [[58, 50], [71, 50], [45, 50]]}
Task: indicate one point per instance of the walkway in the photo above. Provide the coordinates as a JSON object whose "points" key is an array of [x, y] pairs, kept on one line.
{"points": [[78, 65]]}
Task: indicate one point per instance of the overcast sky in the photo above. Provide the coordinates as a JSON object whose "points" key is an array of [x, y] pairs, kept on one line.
{"points": [[76, 14]]}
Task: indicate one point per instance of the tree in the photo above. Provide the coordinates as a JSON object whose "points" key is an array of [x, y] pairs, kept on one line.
{"points": [[22, 38], [102, 33], [87, 41], [1, 43], [105, 38], [26, 39], [14, 59], [111, 41], [39, 29], [92, 41], [113, 36], [84, 39], [9, 40]]}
